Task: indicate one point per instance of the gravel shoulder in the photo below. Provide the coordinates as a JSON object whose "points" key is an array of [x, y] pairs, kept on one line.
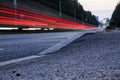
{"points": [[92, 57]]}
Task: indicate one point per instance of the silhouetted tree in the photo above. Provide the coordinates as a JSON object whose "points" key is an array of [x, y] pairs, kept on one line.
{"points": [[115, 20], [73, 9]]}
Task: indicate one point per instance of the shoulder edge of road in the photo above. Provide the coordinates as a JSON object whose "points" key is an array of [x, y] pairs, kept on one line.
{"points": [[52, 49]]}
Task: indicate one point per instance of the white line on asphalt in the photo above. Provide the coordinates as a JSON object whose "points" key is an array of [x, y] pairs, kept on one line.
{"points": [[1, 49], [19, 60], [49, 50], [61, 44]]}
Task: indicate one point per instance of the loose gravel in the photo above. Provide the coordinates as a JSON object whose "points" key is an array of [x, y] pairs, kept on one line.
{"points": [[92, 57]]}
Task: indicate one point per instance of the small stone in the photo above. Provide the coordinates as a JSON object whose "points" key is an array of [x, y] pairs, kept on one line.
{"points": [[18, 74], [58, 71], [13, 71], [42, 75], [116, 75]]}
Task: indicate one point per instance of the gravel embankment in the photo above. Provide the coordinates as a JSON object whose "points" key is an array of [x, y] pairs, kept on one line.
{"points": [[92, 57]]}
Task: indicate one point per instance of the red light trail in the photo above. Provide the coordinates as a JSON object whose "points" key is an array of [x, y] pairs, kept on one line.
{"points": [[32, 18]]}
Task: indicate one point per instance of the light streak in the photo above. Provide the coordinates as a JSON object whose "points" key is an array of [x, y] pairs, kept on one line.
{"points": [[31, 18]]}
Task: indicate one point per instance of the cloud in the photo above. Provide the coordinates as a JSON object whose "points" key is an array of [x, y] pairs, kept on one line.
{"points": [[94, 5], [101, 8]]}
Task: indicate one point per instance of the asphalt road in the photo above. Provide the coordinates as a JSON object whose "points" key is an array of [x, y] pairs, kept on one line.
{"points": [[22, 45], [92, 57]]}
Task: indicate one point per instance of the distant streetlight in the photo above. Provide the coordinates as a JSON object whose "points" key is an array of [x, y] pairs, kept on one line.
{"points": [[15, 5], [82, 18], [74, 9], [15, 2], [60, 8], [74, 13], [15, 8]]}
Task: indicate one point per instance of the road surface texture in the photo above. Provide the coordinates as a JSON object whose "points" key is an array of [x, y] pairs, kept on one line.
{"points": [[92, 57], [22, 45]]}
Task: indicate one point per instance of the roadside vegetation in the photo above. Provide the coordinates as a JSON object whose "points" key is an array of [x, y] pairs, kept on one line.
{"points": [[115, 20], [72, 8]]}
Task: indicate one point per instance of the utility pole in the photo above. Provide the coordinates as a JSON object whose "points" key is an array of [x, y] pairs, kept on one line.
{"points": [[15, 2], [15, 9], [82, 18], [74, 9], [74, 13], [60, 8]]}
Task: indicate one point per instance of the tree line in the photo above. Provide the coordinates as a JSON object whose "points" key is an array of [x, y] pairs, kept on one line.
{"points": [[115, 19], [72, 8]]}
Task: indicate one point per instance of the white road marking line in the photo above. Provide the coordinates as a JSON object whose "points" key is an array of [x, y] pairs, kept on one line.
{"points": [[61, 44], [1, 49], [49, 50], [19, 60], [65, 42]]}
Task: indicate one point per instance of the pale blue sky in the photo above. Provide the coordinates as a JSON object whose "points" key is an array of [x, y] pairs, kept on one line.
{"points": [[101, 8]]}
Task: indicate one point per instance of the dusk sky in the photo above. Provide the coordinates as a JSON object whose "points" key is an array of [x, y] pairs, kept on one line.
{"points": [[101, 8]]}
